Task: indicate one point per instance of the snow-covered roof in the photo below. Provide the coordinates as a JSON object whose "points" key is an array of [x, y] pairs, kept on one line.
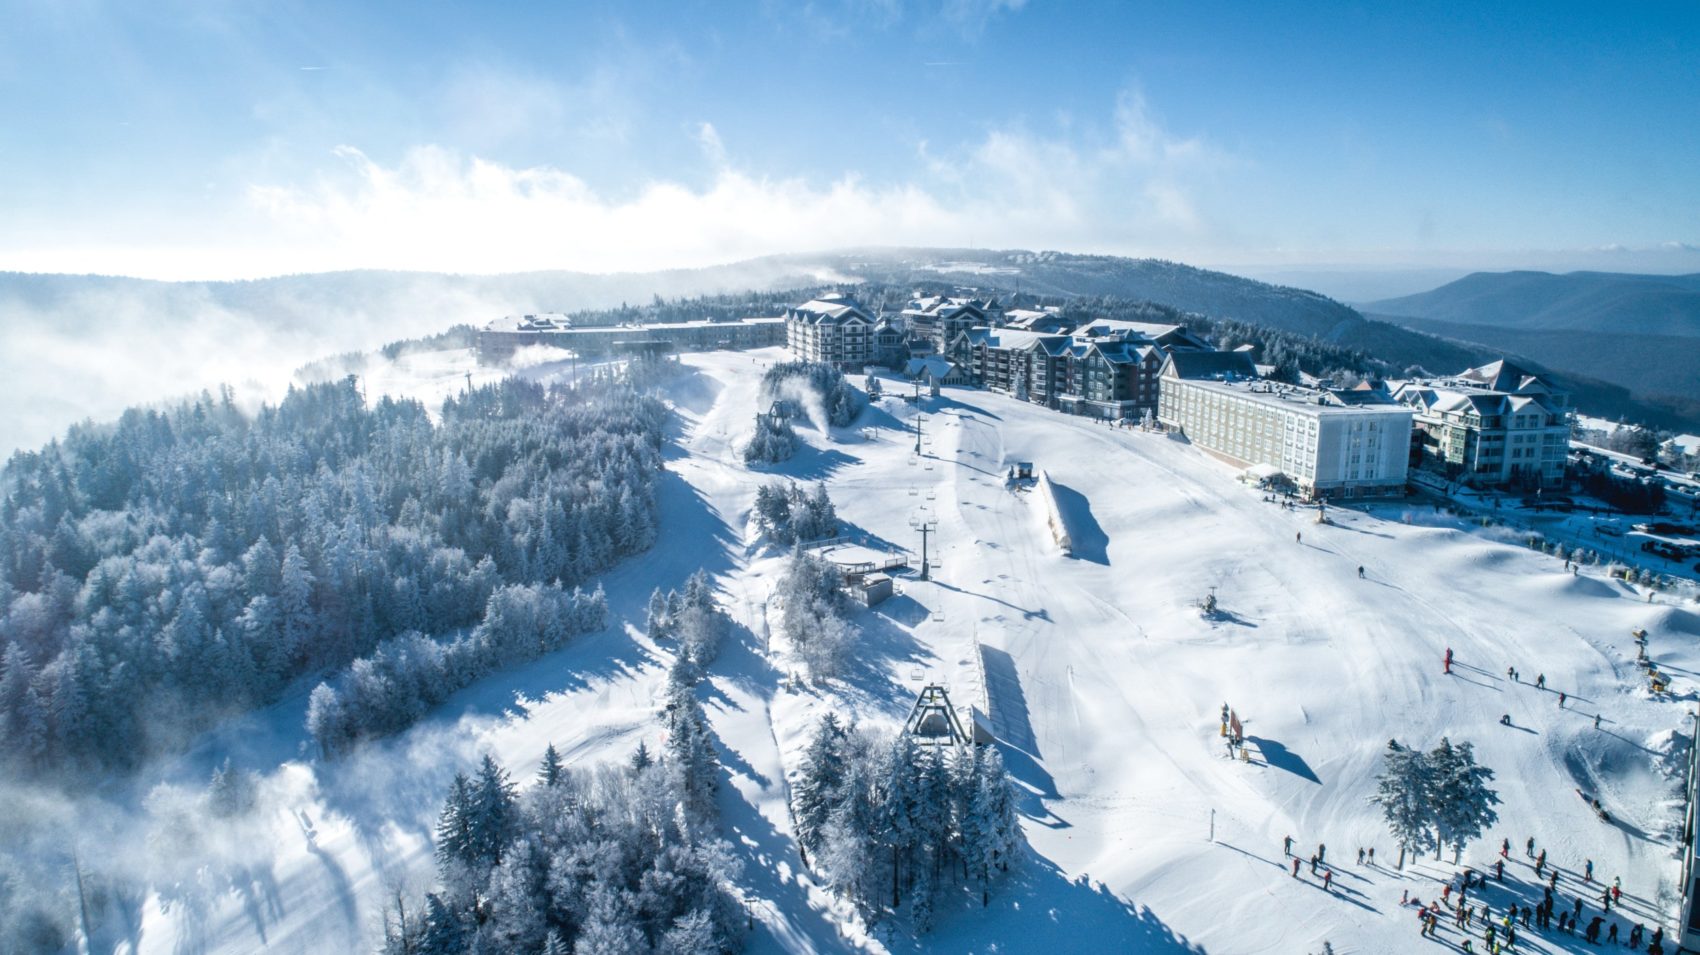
{"points": [[833, 309]]}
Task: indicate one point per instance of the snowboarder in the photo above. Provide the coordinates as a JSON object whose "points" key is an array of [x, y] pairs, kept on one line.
{"points": [[1505, 720], [1448, 659], [1511, 674], [1287, 846], [1540, 681]]}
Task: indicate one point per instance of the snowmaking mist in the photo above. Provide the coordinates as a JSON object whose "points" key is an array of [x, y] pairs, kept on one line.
{"points": [[808, 399]]}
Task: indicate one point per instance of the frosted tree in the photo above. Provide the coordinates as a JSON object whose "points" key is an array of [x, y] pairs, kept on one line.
{"points": [[641, 760], [1462, 802], [443, 934], [692, 933], [549, 773], [609, 928], [996, 830], [899, 797], [816, 791], [812, 615], [518, 906], [658, 625], [1405, 792]]}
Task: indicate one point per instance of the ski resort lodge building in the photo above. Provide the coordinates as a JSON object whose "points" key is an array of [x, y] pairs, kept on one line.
{"points": [[1496, 425], [1331, 443], [504, 336], [834, 329], [1105, 368], [934, 322]]}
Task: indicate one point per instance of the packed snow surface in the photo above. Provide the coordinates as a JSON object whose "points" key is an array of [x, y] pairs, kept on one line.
{"points": [[1099, 674]]}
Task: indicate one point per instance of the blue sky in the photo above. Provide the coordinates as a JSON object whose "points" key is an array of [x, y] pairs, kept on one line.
{"points": [[233, 138]]}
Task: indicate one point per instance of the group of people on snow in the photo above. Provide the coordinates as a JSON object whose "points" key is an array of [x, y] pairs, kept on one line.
{"points": [[1500, 934]]}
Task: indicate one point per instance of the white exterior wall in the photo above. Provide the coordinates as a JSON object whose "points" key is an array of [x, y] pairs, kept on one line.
{"points": [[1325, 447]]}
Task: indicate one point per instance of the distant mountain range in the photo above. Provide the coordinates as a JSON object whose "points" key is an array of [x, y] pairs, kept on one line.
{"points": [[88, 346], [1641, 332], [1574, 301]]}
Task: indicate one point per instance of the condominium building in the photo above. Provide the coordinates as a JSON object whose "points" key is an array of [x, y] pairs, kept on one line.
{"points": [[1330, 443], [834, 329], [1497, 425], [1104, 368], [935, 321]]}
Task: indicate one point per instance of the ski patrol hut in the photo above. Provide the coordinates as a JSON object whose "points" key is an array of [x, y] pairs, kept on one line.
{"points": [[933, 721]]}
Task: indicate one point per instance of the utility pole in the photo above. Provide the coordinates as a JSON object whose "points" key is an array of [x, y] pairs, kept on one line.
{"points": [[917, 416], [926, 524]]}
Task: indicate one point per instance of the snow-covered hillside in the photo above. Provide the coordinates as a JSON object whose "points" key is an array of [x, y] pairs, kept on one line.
{"points": [[1101, 678]]}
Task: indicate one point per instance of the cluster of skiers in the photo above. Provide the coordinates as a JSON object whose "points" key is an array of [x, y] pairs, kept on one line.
{"points": [[1499, 934], [1318, 860]]}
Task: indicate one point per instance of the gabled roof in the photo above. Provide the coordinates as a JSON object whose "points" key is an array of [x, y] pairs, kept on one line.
{"points": [[1503, 376], [832, 309], [1209, 364]]}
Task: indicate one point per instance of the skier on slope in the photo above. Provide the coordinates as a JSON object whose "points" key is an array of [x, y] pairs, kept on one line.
{"points": [[1295, 867], [1505, 848], [1540, 681], [1360, 572], [1448, 659], [1287, 846], [1561, 699], [1327, 880]]}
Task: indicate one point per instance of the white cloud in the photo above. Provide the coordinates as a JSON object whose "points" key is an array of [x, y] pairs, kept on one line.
{"points": [[1129, 186], [439, 210]]}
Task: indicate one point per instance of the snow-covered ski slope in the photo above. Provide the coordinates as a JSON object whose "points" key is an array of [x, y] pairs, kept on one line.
{"points": [[1102, 680]]}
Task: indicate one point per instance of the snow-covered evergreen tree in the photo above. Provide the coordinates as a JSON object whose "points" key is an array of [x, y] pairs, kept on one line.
{"points": [[816, 790], [550, 770], [1462, 802], [1405, 791]]}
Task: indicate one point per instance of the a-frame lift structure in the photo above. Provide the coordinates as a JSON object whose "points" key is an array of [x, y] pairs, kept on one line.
{"points": [[933, 721]]}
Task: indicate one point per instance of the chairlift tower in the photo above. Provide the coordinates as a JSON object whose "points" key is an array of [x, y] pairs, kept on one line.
{"points": [[927, 523]]}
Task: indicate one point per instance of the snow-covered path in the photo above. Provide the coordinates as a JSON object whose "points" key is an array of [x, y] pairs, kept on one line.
{"points": [[1104, 685]]}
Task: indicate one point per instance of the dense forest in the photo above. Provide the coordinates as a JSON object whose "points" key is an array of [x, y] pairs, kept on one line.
{"points": [[601, 860], [895, 826], [184, 564]]}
